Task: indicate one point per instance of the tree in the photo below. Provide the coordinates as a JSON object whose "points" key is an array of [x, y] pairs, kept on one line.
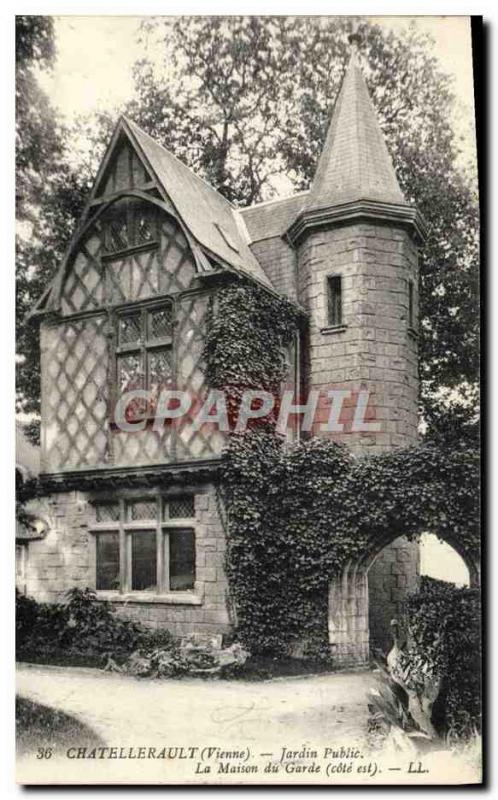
{"points": [[49, 195], [37, 137], [245, 101]]}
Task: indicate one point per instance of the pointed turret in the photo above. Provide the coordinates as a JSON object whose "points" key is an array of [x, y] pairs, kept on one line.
{"points": [[355, 177], [355, 163]]}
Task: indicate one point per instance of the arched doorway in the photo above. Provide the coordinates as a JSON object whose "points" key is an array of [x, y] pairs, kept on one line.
{"points": [[349, 601]]}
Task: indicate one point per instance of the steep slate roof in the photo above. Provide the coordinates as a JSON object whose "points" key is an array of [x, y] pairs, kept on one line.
{"points": [[272, 218], [355, 163], [211, 219]]}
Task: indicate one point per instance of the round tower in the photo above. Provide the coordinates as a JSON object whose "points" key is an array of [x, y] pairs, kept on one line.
{"points": [[357, 241]]}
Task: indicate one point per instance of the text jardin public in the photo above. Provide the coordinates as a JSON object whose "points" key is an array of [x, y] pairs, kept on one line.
{"points": [[235, 761], [254, 404]]}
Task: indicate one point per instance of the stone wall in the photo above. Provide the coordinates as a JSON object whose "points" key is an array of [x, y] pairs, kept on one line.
{"points": [[394, 574], [66, 559], [375, 349]]}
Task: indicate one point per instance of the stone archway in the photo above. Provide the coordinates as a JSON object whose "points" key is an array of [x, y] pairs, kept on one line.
{"points": [[348, 615]]}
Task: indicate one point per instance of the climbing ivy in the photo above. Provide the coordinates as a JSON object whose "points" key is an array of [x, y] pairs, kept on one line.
{"points": [[297, 513], [248, 332]]}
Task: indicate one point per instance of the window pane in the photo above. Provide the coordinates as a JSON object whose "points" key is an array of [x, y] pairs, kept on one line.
{"points": [[159, 368], [181, 507], [117, 234], [181, 559], [130, 328], [107, 512], [143, 227], [107, 561], [143, 561], [160, 322], [130, 372], [334, 287], [141, 509]]}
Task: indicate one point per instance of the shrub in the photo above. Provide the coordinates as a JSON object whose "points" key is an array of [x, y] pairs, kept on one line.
{"points": [[444, 630], [81, 625]]}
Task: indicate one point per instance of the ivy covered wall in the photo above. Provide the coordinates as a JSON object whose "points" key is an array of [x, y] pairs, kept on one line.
{"points": [[297, 513]]}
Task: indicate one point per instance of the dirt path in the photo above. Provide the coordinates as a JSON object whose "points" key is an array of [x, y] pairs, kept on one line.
{"points": [[263, 716]]}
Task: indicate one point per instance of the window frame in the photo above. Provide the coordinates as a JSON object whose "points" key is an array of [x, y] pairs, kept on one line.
{"points": [[162, 528], [143, 346], [410, 313], [329, 279], [127, 207]]}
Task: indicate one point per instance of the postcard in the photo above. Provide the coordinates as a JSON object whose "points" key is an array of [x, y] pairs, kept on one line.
{"points": [[248, 468]]}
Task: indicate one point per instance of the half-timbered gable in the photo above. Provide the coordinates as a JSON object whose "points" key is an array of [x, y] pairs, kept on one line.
{"points": [[127, 311]]}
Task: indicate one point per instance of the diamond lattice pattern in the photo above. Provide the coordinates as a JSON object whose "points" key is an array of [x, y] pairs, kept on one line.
{"points": [[137, 510], [181, 507], [130, 328], [75, 357], [107, 512], [74, 404], [160, 323]]}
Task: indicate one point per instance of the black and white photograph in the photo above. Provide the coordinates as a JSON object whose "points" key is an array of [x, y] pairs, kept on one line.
{"points": [[248, 527]]}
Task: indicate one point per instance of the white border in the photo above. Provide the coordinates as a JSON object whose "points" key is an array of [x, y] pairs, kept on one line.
{"points": [[122, 7]]}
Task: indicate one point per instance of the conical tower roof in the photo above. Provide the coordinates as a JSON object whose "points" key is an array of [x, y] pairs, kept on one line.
{"points": [[355, 163]]}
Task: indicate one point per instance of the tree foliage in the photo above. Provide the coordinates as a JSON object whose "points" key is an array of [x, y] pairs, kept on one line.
{"points": [[445, 632], [49, 195], [37, 137]]}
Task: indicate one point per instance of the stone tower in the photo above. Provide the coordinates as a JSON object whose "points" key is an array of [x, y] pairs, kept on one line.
{"points": [[357, 241]]}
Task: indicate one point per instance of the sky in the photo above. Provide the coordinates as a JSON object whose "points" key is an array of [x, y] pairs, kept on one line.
{"points": [[87, 79]]}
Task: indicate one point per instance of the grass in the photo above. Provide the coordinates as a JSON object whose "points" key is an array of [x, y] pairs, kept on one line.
{"points": [[60, 658], [39, 726]]}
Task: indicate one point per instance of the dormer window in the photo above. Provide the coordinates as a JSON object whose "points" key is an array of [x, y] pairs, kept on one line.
{"points": [[226, 237], [129, 224]]}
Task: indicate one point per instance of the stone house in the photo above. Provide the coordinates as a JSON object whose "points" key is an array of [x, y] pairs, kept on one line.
{"points": [[134, 514]]}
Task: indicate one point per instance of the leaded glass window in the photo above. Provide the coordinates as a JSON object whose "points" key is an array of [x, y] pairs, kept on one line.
{"points": [[107, 512], [160, 322], [181, 507], [144, 355], [130, 328], [129, 224], [142, 509], [136, 551]]}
